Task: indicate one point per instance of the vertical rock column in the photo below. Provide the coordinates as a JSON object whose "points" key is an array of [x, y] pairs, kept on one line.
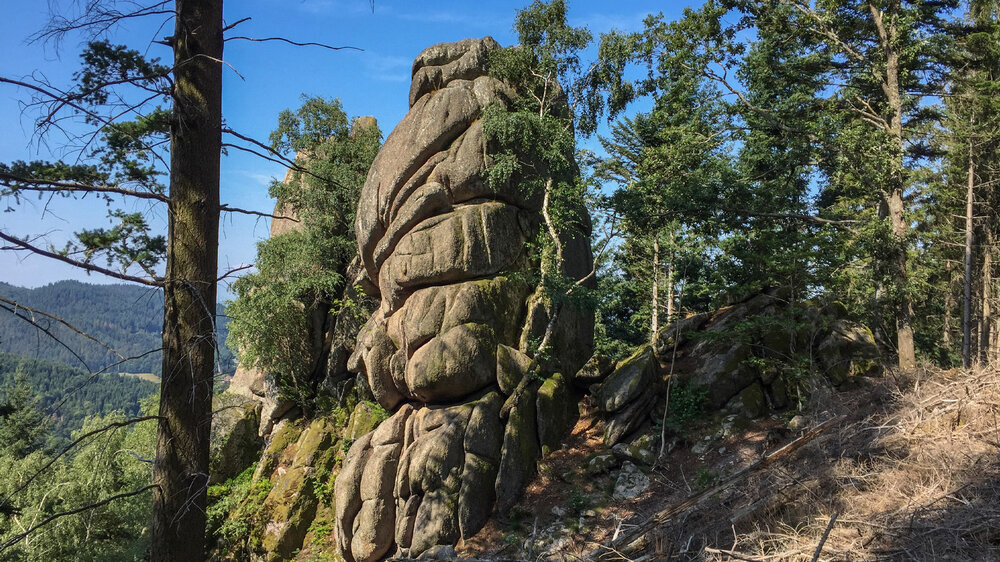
{"points": [[445, 253]]}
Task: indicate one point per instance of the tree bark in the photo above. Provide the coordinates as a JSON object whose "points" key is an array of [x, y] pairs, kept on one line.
{"points": [[888, 26], [985, 308], [949, 302], [654, 317], [967, 281], [182, 449], [670, 289]]}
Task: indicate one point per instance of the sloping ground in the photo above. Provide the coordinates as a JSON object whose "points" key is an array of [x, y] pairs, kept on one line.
{"points": [[909, 467]]}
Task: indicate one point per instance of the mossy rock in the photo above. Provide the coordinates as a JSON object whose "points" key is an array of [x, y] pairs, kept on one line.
{"points": [[642, 450], [752, 400], [284, 436], [631, 377], [778, 390], [557, 412], [315, 444], [835, 310], [319, 543], [724, 372], [519, 452], [365, 417], [512, 365], [594, 371], [778, 341], [290, 509], [600, 463], [235, 441]]}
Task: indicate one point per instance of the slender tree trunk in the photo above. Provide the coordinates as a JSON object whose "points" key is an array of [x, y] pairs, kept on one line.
{"points": [[654, 317], [182, 448], [985, 308], [904, 308], [967, 282], [949, 302], [888, 24], [994, 355], [670, 289]]}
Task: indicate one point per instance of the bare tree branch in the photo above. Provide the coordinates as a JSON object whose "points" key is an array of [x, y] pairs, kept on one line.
{"points": [[156, 282], [275, 156], [55, 408], [58, 96], [114, 425], [278, 157], [17, 306], [19, 537], [234, 270], [225, 208], [234, 24], [95, 17], [44, 330], [296, 43]]}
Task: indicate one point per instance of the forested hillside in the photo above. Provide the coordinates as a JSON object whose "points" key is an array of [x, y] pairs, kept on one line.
{"points": [[128, 318], [67, 396]]}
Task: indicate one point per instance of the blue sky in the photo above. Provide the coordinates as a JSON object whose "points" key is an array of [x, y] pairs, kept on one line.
{"points": [[272, 77]]}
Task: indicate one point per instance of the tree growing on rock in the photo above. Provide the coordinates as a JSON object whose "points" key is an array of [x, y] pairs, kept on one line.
{"points": [[283, 311]]}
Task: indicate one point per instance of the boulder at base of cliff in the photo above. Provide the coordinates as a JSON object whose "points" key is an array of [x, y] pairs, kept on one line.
{"points": [[628, 394], [594, 371]]}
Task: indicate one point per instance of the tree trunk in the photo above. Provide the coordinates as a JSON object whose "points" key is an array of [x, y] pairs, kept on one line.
{"points": [[670, 289], [904, 307], [182, 447], [967, 282], [985, 310], [889, 35], [949, 302], [654, 317]]}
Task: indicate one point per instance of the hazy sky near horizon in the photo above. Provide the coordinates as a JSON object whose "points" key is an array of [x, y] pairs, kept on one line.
{"points": [[271, 77]]}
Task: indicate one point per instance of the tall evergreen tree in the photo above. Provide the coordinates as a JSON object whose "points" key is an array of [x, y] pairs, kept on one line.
{"points": [[973, 168]]}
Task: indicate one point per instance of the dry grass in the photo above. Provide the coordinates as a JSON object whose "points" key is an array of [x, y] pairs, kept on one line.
{"points": [[911, 472], [913, 475]]}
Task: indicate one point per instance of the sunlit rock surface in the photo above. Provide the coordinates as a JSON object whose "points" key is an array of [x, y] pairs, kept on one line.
{"points": [[447, 347]]}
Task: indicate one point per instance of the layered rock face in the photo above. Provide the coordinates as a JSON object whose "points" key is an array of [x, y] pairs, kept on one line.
{"points": [[446, 254]]}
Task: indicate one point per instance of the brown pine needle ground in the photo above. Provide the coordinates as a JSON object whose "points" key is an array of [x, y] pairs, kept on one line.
{"points": [[911, 473]]}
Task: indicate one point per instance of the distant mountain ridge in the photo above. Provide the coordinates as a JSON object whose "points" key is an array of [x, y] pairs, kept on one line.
{"points": [[128, 318]]}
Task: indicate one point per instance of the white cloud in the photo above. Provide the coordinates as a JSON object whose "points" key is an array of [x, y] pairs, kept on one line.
{"points": [[387, 68]]}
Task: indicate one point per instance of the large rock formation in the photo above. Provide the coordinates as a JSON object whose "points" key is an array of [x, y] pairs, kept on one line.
{"points": [[750, 357], [445, 252]]}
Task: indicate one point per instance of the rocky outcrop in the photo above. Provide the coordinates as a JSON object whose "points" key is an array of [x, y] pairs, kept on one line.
{"points": [[751, 357], [292, 502], [628, 394], [257, 386], [288, 496], [445, 253], [235, 443]]}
